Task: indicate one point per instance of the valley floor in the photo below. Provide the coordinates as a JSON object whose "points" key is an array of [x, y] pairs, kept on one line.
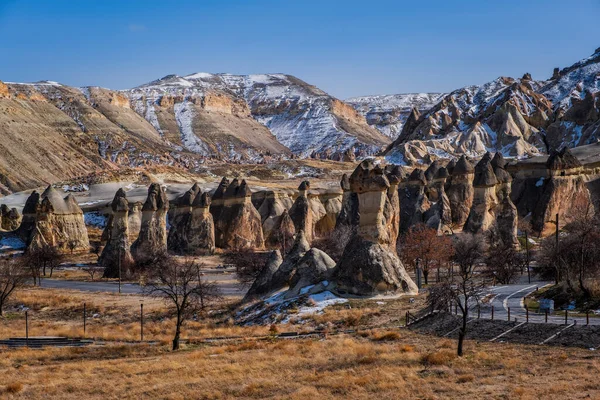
{"points": [[379, 360]]}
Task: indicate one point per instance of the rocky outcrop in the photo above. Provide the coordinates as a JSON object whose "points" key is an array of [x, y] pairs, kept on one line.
{"points": [[283, 233], [135, 220], [263, 283], [439, 215], [302, 213], [237, 222], [328, 206], [563, 191], [459, 189], [314, 267], [11, 219], [391, 212], [368, 266], [413, 200], [348, 216], [57, 223], [153, 233], [282, 277], [192, 226], [271, 208], [116, 257], [507, 218], [482, 215]]}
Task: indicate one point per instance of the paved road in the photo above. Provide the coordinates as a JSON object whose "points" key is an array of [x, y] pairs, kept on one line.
{"points": [[512, 296], [227, 288]]}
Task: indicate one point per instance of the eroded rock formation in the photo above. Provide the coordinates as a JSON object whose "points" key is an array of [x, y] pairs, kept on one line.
{"points": [[562, 191], [482, 215], [302, 213], [263, 283], [348, 216], [368, 266], [55, 222], [116, 257], [153, 233], [192, 226], [237, 222], [11, 219], [459, 189], [413, 200]]}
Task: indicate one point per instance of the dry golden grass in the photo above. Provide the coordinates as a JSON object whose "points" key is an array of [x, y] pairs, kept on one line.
{"points": [[341, 366], [381, 362]]}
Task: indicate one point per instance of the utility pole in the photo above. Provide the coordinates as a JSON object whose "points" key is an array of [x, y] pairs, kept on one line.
{"points": [[119, 263], [557, 253], [527, 255]]}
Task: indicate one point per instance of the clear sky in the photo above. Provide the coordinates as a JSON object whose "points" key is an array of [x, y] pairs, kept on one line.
{"points": [[347, 48]]}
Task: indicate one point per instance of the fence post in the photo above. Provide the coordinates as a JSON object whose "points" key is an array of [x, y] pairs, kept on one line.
{"points": [[566, 316], [84, 319], [27, 328], [587, 317], [455, 308], [142, 322], [508, 308], [406, 319], [492, 313], [526, 314], [546, 315]]}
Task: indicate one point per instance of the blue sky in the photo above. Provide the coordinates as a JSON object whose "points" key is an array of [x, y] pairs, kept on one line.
{"points": [[347, 48]]}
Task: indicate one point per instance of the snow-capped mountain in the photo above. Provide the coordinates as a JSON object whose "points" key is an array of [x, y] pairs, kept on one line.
{"points": [[505, 115], [388, 113], [301, 117]]}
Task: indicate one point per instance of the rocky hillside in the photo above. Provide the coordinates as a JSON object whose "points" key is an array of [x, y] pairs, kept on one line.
{"points": [[301, 117], [516, 117], [388, 113]]}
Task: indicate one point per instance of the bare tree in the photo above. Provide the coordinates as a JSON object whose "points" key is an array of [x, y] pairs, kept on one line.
{"points": [[41, 259], [248, 264], [422, 246], [92, 270], [335, 241], [96, 249], [181, 286], [461, 288], [504, 262], [72, 245], [13, 275]]}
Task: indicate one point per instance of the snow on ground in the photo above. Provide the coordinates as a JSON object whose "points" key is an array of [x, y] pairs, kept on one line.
{"points": [[320, 301], [94, 218], [11, 243]]}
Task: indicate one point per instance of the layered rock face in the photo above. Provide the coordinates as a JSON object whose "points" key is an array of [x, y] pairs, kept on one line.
{"points": [[302, 212], [192, 227], [57, 223], [153, 233], [116, 257], [237, 222], [561, 192], [459, 189], [11, 219], [368, 266], [413, 200]]}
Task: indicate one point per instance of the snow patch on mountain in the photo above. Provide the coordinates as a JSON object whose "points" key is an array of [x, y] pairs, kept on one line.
{"points": [[184, 115]]}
